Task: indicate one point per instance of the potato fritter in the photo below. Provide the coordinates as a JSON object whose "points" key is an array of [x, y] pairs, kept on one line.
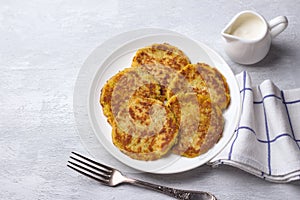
{"points": [[163, 54], [200, 123], [126, 84], [145, 131], [203, 77]]}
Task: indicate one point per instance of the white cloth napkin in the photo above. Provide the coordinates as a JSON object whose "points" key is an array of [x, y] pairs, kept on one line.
{"points": [[266, 142]]}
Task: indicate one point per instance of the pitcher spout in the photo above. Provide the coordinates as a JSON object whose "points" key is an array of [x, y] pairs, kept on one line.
{"points": [[227, 32], [228, 38]]}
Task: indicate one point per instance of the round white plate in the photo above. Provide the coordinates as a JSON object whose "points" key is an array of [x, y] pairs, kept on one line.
{"points": [[120, 58]]}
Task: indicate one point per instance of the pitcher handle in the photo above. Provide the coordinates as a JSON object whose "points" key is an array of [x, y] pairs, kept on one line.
{"points": [[277, 25]]}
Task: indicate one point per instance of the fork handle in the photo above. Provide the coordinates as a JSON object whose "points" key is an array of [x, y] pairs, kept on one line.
{"points": [[176, 193]]}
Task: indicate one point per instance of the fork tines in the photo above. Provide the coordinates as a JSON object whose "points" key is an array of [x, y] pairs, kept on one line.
{"points": [[89, 167]]}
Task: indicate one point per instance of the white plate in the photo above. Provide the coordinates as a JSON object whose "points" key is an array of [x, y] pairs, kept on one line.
{"points": [[121, 58]]}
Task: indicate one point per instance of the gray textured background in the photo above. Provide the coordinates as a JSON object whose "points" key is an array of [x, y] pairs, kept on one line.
{"points": [[43, 44]]}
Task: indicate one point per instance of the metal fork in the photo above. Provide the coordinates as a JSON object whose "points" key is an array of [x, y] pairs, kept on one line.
{"points": [[113, 177]]}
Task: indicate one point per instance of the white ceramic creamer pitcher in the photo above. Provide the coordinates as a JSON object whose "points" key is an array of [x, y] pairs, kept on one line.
{"points": [[248, 36]]}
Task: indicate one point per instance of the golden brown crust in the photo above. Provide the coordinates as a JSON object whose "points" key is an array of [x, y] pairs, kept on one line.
{"points": [[203, 76], [106, 95], [200, 123], [163, 54], [163, 61], [126, 84], [145, 135], [215, 130]]}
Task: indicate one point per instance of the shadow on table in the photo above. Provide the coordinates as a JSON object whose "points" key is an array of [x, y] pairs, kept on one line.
{"points": [[206, 175], [277, 53]]}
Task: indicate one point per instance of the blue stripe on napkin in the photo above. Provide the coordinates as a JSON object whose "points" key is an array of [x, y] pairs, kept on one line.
{"points": [[271, 153]]}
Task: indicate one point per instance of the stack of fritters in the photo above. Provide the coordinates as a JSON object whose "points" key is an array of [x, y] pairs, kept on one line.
{"points": [[163, 104]]}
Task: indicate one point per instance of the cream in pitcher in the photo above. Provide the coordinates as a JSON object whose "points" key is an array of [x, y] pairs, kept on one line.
{"points": [[248, 36]]}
